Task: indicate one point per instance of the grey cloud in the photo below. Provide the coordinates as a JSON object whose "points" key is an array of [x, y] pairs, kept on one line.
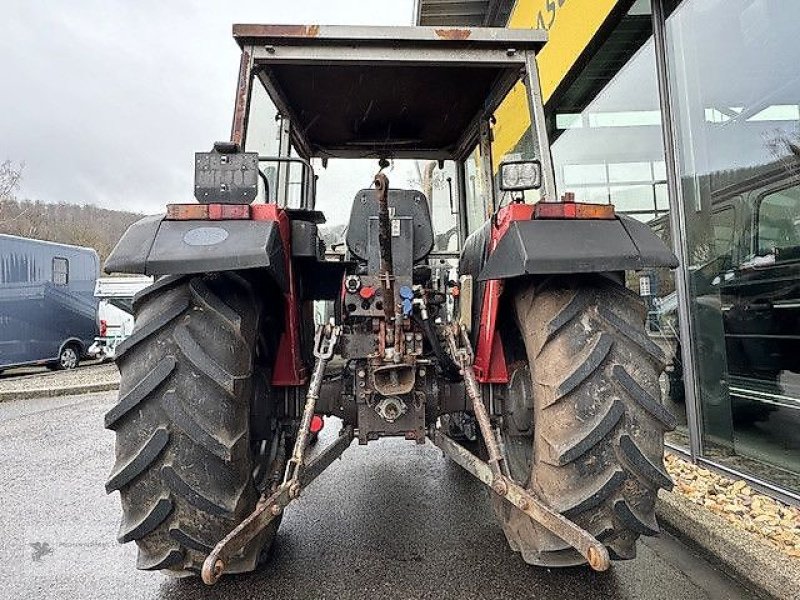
{"points": [[106, 101]]}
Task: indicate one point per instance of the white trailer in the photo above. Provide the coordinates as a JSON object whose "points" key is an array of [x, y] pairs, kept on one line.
{"points": [[115, 312]]}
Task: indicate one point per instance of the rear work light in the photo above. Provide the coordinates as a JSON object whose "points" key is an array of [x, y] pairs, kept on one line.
{"points": [[569, 209], [103, 327], [207, 212]]}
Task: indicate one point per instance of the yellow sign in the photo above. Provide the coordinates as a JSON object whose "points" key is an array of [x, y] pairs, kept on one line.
{"points": [[571, 25]]}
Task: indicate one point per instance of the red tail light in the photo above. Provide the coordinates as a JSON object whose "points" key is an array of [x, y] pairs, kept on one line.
{"points": [[317, 423], [568, 209], [103, 327], [207, 212]]}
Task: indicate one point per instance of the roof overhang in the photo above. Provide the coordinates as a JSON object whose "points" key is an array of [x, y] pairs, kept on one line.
{"points": [[469, 13], [415, 92]]}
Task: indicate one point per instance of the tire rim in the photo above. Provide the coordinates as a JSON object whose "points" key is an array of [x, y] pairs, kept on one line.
{"points": [[264, 453], [69, 358], [517, 434]]}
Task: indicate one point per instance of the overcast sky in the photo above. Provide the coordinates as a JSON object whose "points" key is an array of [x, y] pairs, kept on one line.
{"points": [[106, 101]]}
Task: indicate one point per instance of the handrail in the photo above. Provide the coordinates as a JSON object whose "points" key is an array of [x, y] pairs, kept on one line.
{"points": [[309, 182]]}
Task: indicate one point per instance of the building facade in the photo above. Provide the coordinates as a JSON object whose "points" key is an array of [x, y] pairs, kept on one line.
{"points": [[686, 115]]}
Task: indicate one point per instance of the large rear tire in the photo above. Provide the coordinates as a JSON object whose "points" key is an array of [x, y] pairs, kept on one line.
{"points": [[593, 449], [185, 460]]}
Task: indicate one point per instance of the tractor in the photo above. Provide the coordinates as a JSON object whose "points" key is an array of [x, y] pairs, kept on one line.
{"points": [[508, 339]]}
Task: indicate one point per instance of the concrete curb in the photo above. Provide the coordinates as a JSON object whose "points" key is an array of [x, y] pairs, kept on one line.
{"points": [[751, 560], [72, 390]]}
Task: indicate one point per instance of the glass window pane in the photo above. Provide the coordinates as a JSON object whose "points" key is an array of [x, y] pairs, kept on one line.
{"points": [[662, 196], [629, 172], [583, 174], [722, 224], [592, 194], [736, 86], [60, 271], [628, 198], [477, 191], [779, 224]]}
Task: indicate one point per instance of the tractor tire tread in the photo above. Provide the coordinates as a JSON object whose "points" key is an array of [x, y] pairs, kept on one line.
{"points": [[598, 425], [183, 468]]}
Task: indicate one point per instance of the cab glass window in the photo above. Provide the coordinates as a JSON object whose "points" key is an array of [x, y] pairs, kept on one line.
{"points": [[779, 224], [477, 191]]}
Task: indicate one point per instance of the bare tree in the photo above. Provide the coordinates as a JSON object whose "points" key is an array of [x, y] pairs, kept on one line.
{"points": [[10, 176]]}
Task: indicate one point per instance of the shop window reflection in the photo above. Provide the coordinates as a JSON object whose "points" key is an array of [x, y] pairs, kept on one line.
{"points": [[736, 97]]}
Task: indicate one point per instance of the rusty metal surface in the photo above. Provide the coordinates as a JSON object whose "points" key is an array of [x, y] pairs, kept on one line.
{"points": [[495, 473], [521, 39], [324, 344], [268, 508], [268, 31], [240, 109], [393, 380], [461, 350], [591, 549], [453, 34], [386, 273]]}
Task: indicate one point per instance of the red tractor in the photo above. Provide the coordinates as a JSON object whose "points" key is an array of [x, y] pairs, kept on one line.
{"points": [[507, 338]]}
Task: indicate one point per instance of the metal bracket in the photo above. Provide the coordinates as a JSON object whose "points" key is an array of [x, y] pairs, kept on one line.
{"points": [[592, 550], [298, 474], [495, 473], [267, 508]]}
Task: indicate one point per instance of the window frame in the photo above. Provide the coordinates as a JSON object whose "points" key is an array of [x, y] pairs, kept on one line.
{"points": [[65, 271]]}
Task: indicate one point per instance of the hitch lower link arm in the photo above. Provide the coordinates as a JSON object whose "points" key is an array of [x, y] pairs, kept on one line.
{"points": [[297, 475], [495, 473]]}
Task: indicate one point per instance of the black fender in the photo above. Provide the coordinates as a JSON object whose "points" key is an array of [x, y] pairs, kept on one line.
{"points": [[156, 246], [561, 246]]}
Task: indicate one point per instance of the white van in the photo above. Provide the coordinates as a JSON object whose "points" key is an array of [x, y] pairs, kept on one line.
{"points": [[115, 312]]}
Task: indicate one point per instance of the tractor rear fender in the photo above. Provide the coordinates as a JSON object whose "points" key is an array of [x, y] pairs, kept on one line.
{"points": [[155, 246], [513, 248], [553, 246]]}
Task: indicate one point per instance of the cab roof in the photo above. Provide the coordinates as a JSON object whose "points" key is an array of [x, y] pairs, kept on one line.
{"points": [[415, 92]]}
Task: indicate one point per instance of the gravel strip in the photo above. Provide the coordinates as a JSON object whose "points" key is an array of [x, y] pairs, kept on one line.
{"points": [[77, 381], [738, 504], [748, 557]]}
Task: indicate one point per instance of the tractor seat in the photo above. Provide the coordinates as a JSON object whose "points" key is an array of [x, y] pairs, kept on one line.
{"points": [[414, 241]]}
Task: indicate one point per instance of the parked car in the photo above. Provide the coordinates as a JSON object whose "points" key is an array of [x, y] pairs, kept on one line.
{"points": [[47, 306], [115, 312], [749, 281]]}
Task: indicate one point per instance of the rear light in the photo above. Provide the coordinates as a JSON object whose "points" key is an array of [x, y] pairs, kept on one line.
{"points": [[103, 327], [569, 209], [207, 212], [317, 423]]}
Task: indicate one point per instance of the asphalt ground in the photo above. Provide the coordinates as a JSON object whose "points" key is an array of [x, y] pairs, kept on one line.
{"points": [[389, 520]]}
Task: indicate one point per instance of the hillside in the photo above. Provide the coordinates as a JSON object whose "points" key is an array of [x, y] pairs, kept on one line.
{"points": [[98, 228]]}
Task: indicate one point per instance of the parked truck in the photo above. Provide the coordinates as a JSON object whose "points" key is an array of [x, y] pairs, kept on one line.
{"points": [[47, 306], [546, 358]]}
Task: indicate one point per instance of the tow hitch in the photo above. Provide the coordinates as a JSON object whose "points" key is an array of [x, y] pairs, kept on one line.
{"points": [[298, 474], [495, 474]]}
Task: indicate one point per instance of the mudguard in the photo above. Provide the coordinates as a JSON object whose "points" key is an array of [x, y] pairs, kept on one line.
{"points": [[551, 246], [155, 246], [514, 246]]}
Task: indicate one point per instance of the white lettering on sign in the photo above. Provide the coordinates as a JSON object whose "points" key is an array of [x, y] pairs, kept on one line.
{"points": [[395, 227]]}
